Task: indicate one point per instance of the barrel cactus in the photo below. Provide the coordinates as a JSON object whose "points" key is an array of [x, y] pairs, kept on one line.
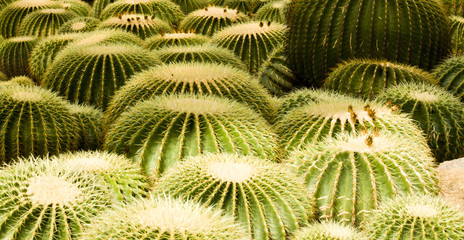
{"points": [[351, 174], [437, 112], [188, 6], [191, 78], [323, 33], [108, 36], [368, 78], [457, 35], [45, 22], [202, 53], [262, 195], [274, 11], [246, 6], [104, 69], [43, 200], [175, 39], [90, 121], [99, 5], [141, 25], [164, 130], [450, 76], [416, 217], [14, 55], [252, 41], [209, 20], [79, 7], [328, 230], [79, 24], [164, 218]]}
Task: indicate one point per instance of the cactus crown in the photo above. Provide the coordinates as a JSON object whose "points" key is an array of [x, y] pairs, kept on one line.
{"points": [[195, 106], [218, 12], [251, 28], [47, 190]]}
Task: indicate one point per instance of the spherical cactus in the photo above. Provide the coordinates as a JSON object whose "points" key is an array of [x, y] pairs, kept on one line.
{"points": [[141, 25], [209, 20], [164, 130], [261, 195], [164, 218], [108, 36], [79, 24], [367, 78], [103, 70], [175, 39], [191, 78], [12, 15], [44, 22], [252, 41], [274, 11], [90, 121], [99, 5], [438, 113], [333, 114], [203, 53], [43, 200], [246, 6], [457, 35], [79, 7], [416, 217], [34, 121], [328, 230], [450, 76], [14, 55], [351, 174], [275, 74], [165, 10], [323, 33], [120, 175]]}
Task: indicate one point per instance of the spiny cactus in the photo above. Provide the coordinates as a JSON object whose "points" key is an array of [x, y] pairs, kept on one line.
{"points": [[165, 10], [12, 15], [275, 73], [202, 53], [252, 41], [141, 25], [454, 7], [164, 218], [164, 130], [175, 39], [45, 22], [209, 20], [79, 7], [14, 55], [323, 33], [34, 121], [3, 77], [351, 174], [188, 6], [367, 78], [109, 36], [120, 175], [22, 80], [450, 76], [191, 78], [90, 121], [438, 113], [99, 5], [260, 194], [328, 230], [79, 24], [103, 70], [4, 3], [274, 11], [457, 35], [43, 200], [416, 217], [331, 114], [245, 6]]}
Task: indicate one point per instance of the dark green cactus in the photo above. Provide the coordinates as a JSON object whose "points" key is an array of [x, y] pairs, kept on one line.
{"points": [[99, 5], [351, 174], [164, 130], [191, 78], [103, 70], [202, 53], [188, 6], [79, 24], [261, 195], [251, 41], [90, 121], [14, 55], [367, 78], [141, 25], [437, 112], [175, 39], [245, 6], [416, 217], [457, 35], [324, 33], [328, 230], [209, 20], [450, 76], [45, 22], [274, 11], [454, 7]]}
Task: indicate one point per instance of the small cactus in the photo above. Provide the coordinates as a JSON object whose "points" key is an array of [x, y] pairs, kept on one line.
{"points": [[260, 194], [141, 25], [79, 25], [45, 22], [175, 39], [416, 217], [328, 230], [166, 129], [274, 11], [14, 55], [90, 121], [209, 20]]}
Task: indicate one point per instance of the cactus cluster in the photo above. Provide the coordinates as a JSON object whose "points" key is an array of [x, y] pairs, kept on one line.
{"points": [[175, 39]]}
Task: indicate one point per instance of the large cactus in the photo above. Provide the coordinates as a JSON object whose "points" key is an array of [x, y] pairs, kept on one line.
{"points": [[103, 70], [14, 55], [164, 130], [323, 33], [263, 196], [175, 39], [79, 24], [139, 24]]}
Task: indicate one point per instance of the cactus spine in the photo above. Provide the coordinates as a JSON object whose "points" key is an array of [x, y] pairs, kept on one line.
{"points": [[14, 55], [175, 39], [457, 35], [45, 22], [141, 25], [90, 121], [274, 11], [328, 230], [109, 36]]}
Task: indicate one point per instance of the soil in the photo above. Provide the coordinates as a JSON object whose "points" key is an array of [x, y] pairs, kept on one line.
{"points": [[451, 178]]}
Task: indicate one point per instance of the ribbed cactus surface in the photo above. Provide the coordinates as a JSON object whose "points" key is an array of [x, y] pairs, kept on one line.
{"points": [[90, 121], [141, 25], [109, 36], [450, 75], [323, 33], [14, 55], [328, 230], [20, 80], [454, 7], [367, 78], [162, 131], [44, 22], [99, 5], [352, 174], [457, 35], [188, 6], [175, 39], [274, 11], [79, 7], [209, 20], [246, 6], [103, 70], [79, 24], [437, 112], [3, 77], [261, 195]]}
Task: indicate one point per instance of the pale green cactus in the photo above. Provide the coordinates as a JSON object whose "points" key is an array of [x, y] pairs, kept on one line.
{"points": [[79, 25]]}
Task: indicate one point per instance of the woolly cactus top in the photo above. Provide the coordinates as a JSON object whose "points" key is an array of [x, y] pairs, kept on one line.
{"points": [[105, 36], [48, 189], [195, 106], [21, 39], [28, 4], [251, 28], [328, 230], [218, 12]]}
